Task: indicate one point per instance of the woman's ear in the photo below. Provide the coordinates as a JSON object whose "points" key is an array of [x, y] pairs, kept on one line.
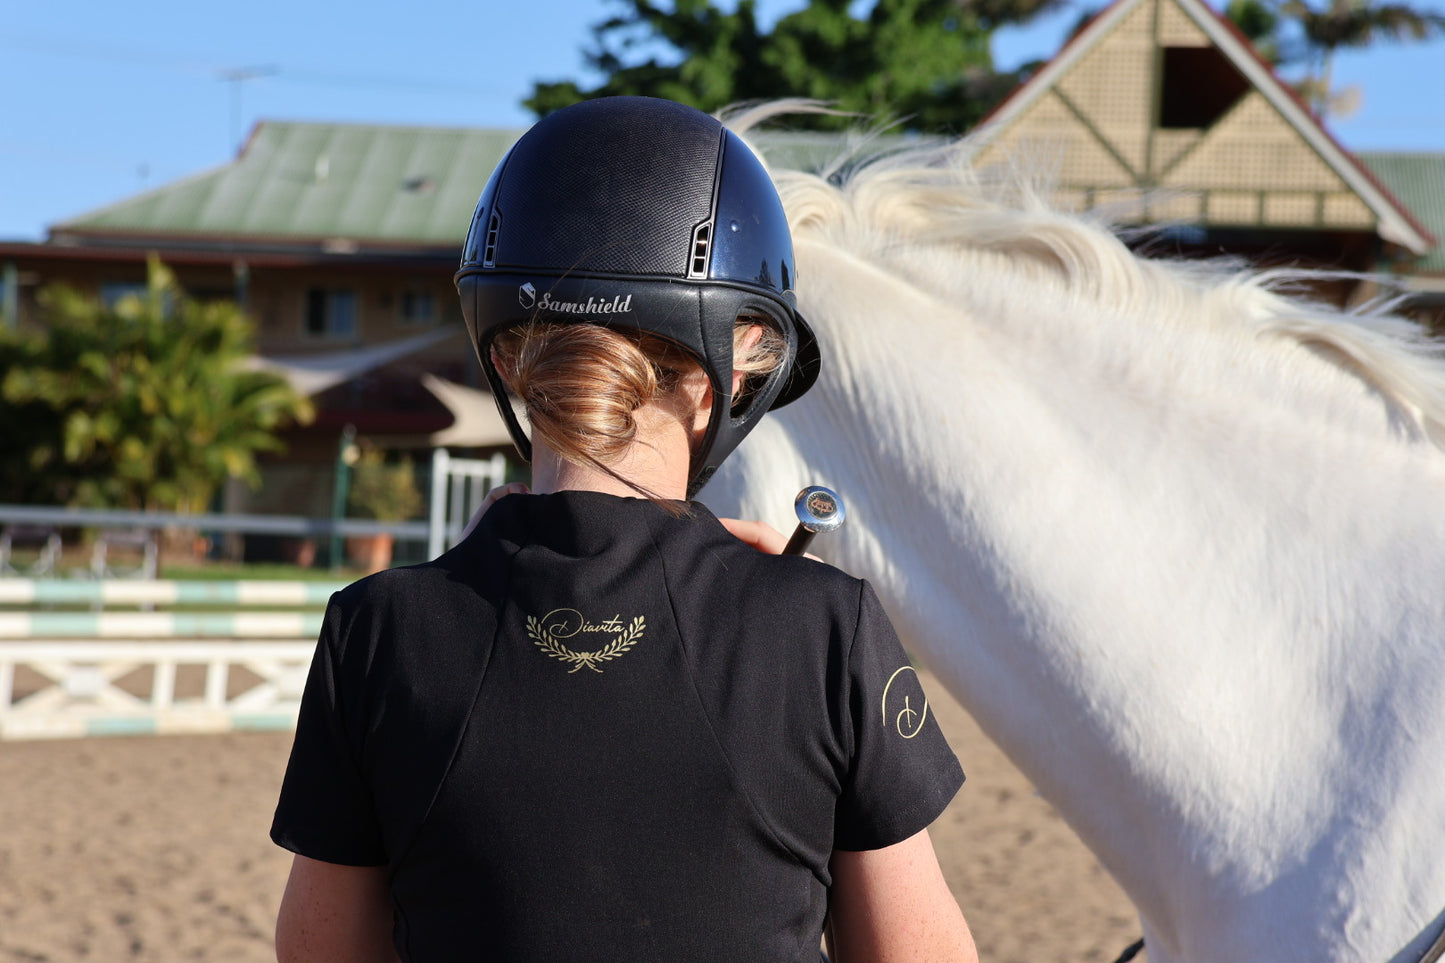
{"points": [[745, 346], [502, 369], [696, 389]]}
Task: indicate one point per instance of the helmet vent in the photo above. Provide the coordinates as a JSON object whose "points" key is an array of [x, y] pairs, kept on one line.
{"points": [[701, 244], [489, 251]]}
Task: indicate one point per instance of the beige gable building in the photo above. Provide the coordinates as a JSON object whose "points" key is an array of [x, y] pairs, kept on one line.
{"points": [[1159, 111]]}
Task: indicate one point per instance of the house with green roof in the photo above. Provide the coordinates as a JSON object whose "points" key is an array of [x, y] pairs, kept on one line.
{"points": [[339, 240]]}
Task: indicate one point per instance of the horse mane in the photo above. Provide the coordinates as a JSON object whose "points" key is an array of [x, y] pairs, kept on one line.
{"points": [[874, 195]]}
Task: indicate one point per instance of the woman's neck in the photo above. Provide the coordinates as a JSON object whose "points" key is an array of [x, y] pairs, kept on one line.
{"points": [[657, 463]]}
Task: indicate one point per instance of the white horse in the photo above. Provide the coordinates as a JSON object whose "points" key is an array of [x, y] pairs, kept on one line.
{"points": [[1175, 539]]}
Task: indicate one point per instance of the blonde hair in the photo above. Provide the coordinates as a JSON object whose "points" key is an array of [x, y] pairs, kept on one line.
{"points": [[582, 384]]}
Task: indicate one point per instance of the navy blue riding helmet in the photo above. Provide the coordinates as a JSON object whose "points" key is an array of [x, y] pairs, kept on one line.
{"points": [[640, 213]]}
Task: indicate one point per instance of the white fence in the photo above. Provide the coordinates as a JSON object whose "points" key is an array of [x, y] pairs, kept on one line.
{"points": [[220, 656], [129, 687], [458, 486], [67, 672]]}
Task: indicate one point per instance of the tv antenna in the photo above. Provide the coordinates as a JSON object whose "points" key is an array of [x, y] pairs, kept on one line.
{"points": [[237, 77]]}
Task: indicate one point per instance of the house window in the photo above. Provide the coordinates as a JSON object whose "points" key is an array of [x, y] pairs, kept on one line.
{"points": [[114, 292], [1199, 85], [331, 313], [418, 307], [213, 295]]}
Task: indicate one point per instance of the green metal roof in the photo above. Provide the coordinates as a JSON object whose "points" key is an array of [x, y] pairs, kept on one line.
{"points": [[309, 182], [1418, 182], [301, 181]]}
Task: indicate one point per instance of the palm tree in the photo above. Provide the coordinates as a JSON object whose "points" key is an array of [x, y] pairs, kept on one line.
{"points": [[147, 404], [1335, 24]]}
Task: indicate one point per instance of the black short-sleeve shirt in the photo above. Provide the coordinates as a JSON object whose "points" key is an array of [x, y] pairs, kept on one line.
{"points": [[598, 731]]}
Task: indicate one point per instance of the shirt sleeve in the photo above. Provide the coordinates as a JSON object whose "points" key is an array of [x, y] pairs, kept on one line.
{"points": [[903, 774], [325, 811]]}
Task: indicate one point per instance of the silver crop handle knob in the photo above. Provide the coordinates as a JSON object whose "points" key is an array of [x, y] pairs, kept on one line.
{"points": [[818, 509]]}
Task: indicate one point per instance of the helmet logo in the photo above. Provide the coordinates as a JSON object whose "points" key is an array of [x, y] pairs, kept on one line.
{"points": [[528, 298], [618, 304]]}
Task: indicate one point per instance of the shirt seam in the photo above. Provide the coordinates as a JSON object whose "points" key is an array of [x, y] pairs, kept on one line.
{"points": [[461, 739], [732, 771]]}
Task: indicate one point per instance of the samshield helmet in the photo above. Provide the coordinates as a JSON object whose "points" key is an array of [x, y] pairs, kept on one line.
{"points": [[640, 213]]}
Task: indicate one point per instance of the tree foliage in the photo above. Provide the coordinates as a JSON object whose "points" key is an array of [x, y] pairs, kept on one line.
{"points": [[383, 490], [1336, 24], [1306, 34], [926, 62], [1259, 22], [144, 405], [1326, 28]]}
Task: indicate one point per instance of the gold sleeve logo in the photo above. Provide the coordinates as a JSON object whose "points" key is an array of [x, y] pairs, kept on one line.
{"points": [[548, 632], [899, 709]]}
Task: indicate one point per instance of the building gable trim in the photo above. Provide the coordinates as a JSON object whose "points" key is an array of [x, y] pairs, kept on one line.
{"points": [[1394, 223]]}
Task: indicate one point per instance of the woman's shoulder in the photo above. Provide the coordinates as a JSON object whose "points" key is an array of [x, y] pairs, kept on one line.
{"points": [[705, 559], [460, 585], [401, 584]]}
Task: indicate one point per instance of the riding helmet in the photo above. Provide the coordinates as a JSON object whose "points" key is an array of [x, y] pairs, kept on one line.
{"points": [[635, 212]]}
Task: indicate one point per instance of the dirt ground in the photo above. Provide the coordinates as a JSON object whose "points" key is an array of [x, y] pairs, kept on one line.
{"points": [[156, 849]]}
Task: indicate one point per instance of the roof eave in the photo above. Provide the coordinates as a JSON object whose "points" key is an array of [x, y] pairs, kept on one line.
{"points": [[1395, 223], [193, 255], [1042, 81], [241, 244]]}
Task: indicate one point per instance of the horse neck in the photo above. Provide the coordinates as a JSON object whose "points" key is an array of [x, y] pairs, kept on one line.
{"points": [[1144, 548]]}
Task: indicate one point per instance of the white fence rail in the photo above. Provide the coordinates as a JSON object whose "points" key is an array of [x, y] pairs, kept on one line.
{"points": [[84, 673], [71, 688]]}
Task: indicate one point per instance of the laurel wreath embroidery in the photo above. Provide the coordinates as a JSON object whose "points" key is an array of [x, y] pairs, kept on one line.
{"points": [[579, 660]]}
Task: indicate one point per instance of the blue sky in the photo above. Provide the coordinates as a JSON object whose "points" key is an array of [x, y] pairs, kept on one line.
{"points": [[103, 100]]}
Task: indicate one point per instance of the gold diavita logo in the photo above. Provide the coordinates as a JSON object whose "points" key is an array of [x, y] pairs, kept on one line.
{"points": [[548, 631]]}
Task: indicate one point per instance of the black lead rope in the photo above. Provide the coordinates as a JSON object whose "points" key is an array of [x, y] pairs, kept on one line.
{"points": [[1436, 950], [1432, 955], [1130, 951]]}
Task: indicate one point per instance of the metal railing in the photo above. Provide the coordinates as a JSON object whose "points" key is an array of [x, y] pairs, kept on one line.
{"points": [[245, 524], [457, 488]]}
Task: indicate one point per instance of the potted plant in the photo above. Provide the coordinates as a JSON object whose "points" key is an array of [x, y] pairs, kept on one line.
{"points": [[385, 491]]}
